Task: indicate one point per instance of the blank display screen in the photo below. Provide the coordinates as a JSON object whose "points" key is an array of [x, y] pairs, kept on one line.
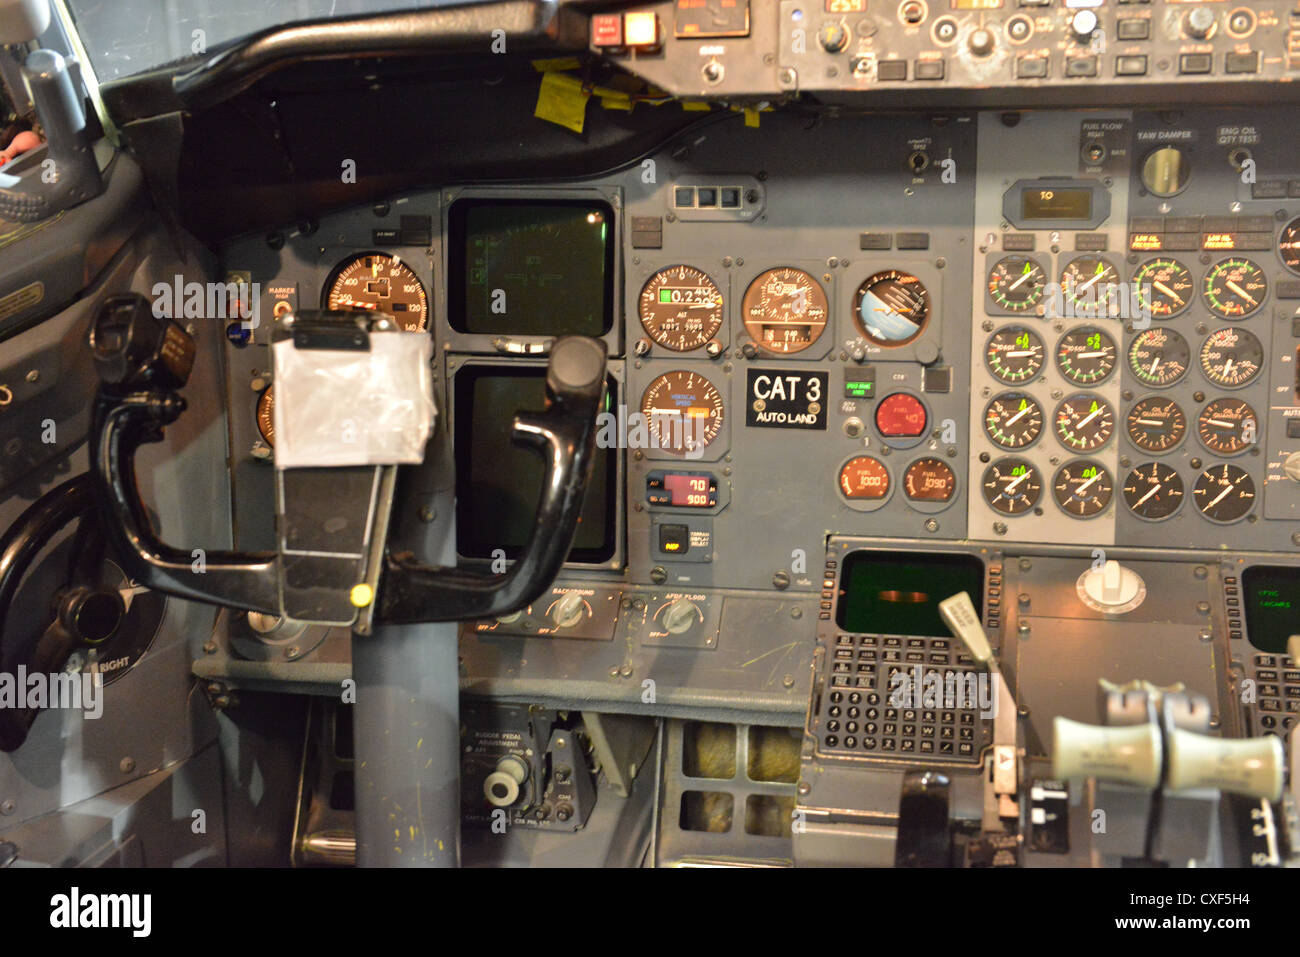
{"points": [[898, 593], [529, 267], [498, 483]]}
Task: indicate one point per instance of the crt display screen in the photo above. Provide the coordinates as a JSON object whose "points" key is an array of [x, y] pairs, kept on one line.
{"points": [[1272, 606], [498, 482], [898, 593], [531, 268], [1056, 203]]}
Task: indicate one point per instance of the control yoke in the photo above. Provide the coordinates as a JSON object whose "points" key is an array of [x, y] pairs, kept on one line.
{"points": [[144, 360]]}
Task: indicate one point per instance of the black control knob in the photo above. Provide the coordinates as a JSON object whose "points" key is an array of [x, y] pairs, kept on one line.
{"points": [[981, 42], [834, 37], [1199, 24]]}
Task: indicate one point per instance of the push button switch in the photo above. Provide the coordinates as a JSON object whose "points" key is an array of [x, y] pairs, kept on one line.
{"points": [[674, 539]]}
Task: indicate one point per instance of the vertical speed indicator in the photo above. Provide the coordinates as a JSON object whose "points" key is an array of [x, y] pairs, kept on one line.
{"points": [[680, 308], [684, 410]]}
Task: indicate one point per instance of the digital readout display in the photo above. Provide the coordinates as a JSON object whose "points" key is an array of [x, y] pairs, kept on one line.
{"points": [[1272, 600], [1056, 203], [682, 489]]}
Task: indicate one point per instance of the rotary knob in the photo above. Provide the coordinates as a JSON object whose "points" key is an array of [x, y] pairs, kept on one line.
{"points": [[681, 615], [1200, 23], [1083, 24], [834, 37], [981, 42], [1111, 588], [568, 610], [1292, 466]]}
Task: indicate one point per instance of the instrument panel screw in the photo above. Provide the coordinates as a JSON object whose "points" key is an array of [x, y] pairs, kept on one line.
{"points": [[8, 807], [804, 787], [210, 648], [1205, 635], [1023, 629], [34, 375], [1202, 607], [625, 671], [931, 525], [1023, 599], [1000, 528], [1200, 571], [780, 580], [428, 513], [127, 765], [658, 575], [787, 681], [1026, 564]]}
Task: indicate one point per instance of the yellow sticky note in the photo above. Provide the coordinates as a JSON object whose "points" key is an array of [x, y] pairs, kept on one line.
{"points": [[560, 63], [562, 100], [695, 106], [751, 117]]}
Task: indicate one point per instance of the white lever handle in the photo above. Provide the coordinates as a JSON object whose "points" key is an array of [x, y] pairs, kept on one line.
{"points": [[1129, 754], [1250, 766], [958, 613]]}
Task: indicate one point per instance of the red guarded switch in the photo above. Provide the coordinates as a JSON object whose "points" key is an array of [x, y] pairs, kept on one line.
{"points": [[901, 414]]}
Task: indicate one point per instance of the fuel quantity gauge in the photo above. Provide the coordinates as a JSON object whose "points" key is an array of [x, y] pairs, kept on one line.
{"points": [[1015, 354], [1016, 283]]}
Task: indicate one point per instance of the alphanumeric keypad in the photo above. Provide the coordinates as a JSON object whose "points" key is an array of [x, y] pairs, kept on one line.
{"points": [[1277, 689], [866, 710]]}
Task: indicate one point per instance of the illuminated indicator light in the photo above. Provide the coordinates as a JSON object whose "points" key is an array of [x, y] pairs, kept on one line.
{"points": [[858, 390], [641, 29], [1146, 241], [665, 295], [901, 415], [361, 595], [1219, 241], [607, 30], [672, 546]]}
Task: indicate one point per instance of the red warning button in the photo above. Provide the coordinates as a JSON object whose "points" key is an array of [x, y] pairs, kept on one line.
{"points": [[607, 30], [901, 414]]}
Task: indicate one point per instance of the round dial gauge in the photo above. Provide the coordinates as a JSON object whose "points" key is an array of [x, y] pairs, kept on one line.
{"points": [[891, 308], [1288, 245], [1016, 283], [1083, 488], [929, 480], [1013, 420], [1227, 426], [1232, 357], [684, 410], [1012, 486], [1156, 425], [680, 308], [1015, 354], [1163, 287], [1086, 355], [864, 478], [1153, 491], [1084, 422], [266, 416], [378, 282], [1235, 288], [1159, 357], [785, 310], [1224, 493], [1089, 282]]}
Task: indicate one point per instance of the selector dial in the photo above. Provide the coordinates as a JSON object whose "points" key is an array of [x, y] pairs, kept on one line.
{"points": [[1200, 23], [1083, 24], [568, 610], [679, 616]]}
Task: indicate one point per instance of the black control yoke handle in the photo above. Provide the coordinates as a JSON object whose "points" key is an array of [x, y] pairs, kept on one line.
{"points": [[143, 359], [565, 435]]}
